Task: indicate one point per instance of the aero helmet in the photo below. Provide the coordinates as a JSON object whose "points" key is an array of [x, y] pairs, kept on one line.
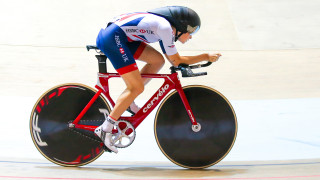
{"points": [[182, 18]]}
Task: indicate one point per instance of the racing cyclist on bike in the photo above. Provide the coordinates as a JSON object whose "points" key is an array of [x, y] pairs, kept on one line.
{"points": [[126, 39]]}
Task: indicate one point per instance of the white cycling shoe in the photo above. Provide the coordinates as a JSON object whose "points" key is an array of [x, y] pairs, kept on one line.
{"points": [[106, 137]]}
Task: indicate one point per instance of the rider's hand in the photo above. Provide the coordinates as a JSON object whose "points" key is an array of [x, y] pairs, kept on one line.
{"points": [[214, 57]]}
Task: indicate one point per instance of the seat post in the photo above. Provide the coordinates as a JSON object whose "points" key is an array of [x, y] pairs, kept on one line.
{"points": [[102, 63]]}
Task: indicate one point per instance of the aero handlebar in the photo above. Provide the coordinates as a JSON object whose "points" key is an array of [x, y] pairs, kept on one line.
{"points": [[186, 69]]}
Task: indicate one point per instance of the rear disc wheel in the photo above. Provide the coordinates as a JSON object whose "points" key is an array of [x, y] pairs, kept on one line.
{"points": [[49, 125]]}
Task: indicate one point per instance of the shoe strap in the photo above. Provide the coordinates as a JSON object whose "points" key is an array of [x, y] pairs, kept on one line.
{"points": [[111, 121]]}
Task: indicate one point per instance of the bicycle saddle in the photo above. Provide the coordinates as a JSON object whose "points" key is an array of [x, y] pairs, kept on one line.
{"points": [[91, 47]]}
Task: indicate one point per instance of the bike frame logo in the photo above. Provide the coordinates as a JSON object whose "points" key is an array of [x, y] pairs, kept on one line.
{"points": [[36, 131], [156, 98]]}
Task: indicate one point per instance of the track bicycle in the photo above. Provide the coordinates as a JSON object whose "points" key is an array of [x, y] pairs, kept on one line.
{"points": [[195, 126]]}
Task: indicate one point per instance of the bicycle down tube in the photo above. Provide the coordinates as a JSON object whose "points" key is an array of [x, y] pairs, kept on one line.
{"points": [[171, 82]]}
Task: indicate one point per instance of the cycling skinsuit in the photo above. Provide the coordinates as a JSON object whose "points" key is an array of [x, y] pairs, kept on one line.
{"points": [[125, 39]]}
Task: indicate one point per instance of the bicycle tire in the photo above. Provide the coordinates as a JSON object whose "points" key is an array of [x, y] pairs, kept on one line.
{"points": [[49, 125], [202, 149]]}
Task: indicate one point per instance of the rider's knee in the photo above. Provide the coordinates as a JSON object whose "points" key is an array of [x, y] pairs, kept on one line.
{"points": [[140, 89], [137, 89]]}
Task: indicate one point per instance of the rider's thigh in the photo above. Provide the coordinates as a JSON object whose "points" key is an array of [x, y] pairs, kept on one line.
{"points": [[152, 56], [133, 81]]}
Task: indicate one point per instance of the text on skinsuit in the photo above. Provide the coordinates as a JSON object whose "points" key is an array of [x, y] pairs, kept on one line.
{"points": [[156, 98], [140, 31], [118, 42]]}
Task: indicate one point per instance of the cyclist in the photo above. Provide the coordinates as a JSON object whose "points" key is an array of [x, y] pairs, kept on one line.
{"points": [[126, 39]]}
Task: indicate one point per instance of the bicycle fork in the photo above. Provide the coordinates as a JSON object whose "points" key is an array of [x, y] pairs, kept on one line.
{"points": [[196, 127]]}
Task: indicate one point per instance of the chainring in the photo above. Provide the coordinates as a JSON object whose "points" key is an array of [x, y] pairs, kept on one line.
{"points": [[126, 134]]}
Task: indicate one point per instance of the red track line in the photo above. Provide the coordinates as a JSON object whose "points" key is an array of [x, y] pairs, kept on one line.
{"points": [[280, 177]]}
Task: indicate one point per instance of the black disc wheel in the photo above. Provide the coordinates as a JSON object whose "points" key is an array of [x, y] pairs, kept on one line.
{"points": [[49, 125], [189, 149]]}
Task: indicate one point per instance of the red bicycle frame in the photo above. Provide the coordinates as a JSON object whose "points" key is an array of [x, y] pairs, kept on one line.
{"points": [[171, 82]]}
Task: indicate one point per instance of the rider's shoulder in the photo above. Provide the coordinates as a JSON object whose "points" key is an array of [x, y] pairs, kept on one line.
{"points": [[157, 21], [157, 18]]}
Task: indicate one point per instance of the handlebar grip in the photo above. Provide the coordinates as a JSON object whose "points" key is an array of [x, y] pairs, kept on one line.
{"points": [[200, 74], [206, 64], [200, 65], [91, 47], [187, 72]]}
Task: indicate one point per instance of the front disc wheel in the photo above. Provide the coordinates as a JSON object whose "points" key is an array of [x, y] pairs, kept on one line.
{"points": [[201, 146]]}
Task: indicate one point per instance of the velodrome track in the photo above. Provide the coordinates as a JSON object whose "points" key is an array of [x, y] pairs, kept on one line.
{"points": [[269, 71]]}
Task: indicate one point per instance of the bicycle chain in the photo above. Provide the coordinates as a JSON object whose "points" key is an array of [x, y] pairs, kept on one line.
{"points": [[84, 135], [99, 141], [104, 147]]}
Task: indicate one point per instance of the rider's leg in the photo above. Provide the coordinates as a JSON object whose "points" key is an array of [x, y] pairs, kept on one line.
{"points": [[114, 43], [135, 86], [154, 60]]}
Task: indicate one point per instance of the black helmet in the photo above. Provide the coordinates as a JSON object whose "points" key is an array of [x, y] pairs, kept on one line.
{"points": [[182, 18]]}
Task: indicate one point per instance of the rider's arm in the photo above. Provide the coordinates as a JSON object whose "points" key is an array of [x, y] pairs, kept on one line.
{"points": [[166, 34], [176, 59]]}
